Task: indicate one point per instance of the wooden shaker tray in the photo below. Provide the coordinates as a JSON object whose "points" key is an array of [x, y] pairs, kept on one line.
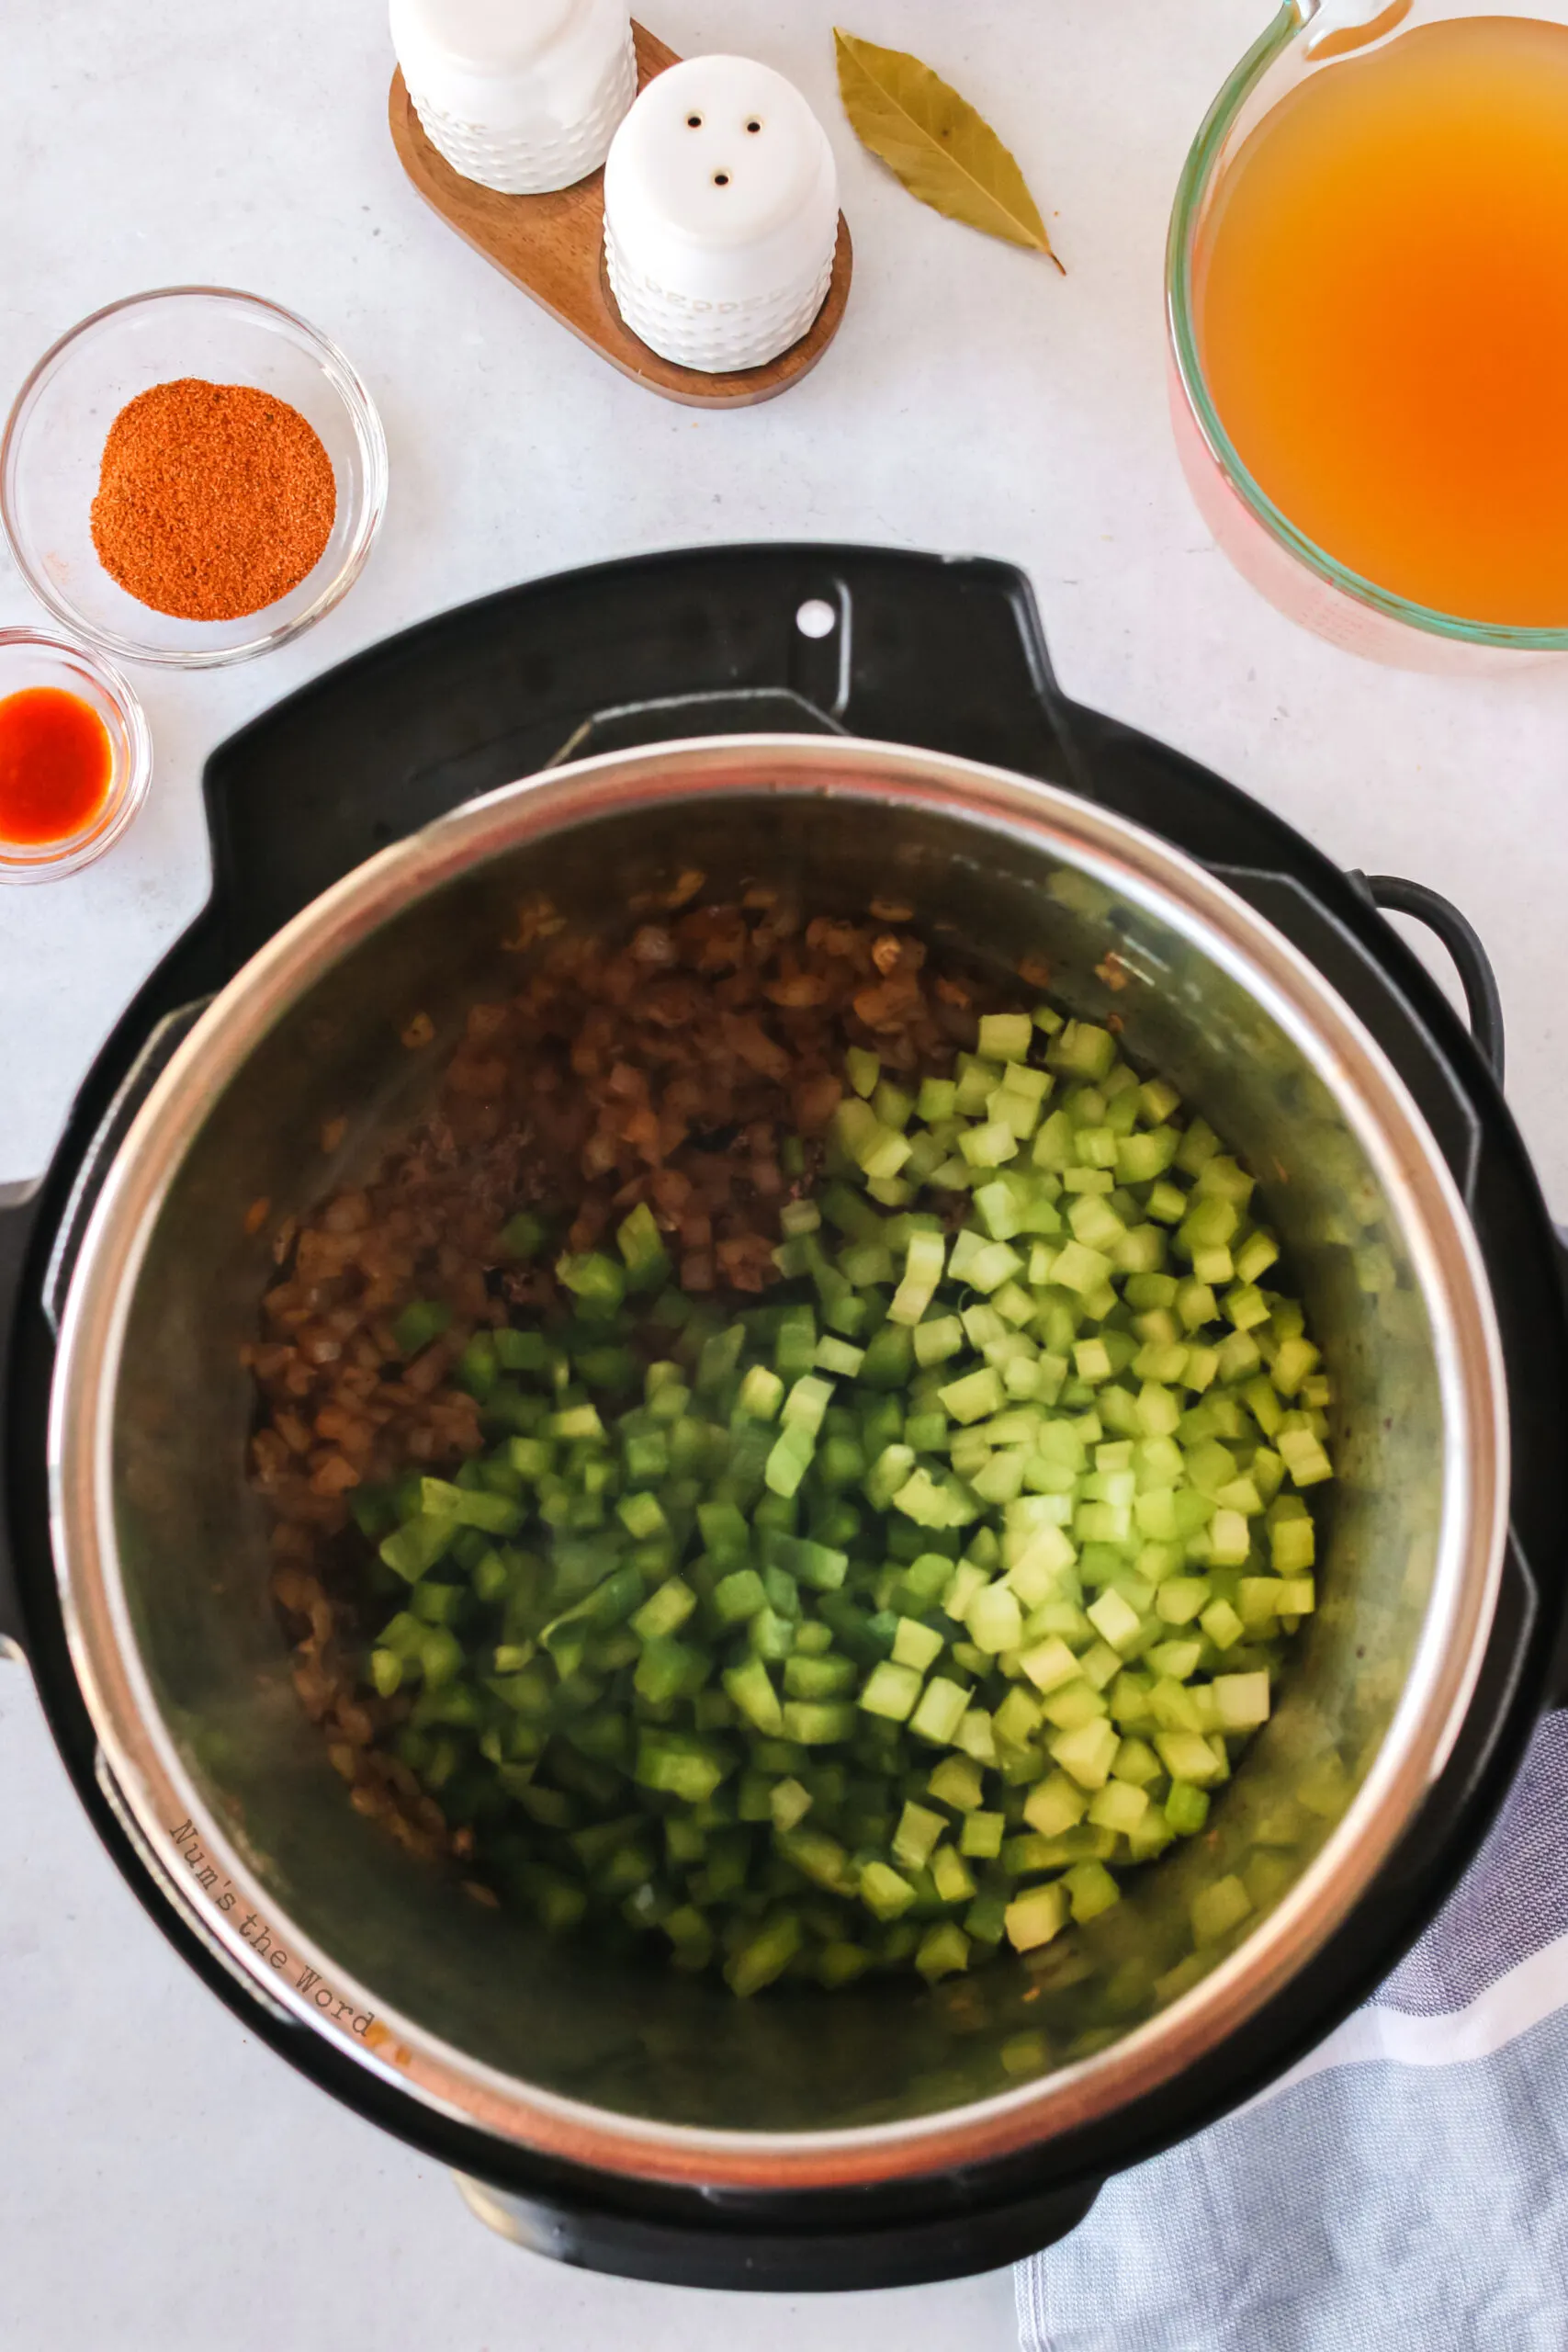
{"points": [[553, 247]]}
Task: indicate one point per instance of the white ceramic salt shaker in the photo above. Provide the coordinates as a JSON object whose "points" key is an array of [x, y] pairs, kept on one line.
{"points": [[721, 214], [523, 96]]}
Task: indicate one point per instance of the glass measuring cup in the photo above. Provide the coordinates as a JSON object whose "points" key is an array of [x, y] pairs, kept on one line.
{"points": [[1308, 38]]}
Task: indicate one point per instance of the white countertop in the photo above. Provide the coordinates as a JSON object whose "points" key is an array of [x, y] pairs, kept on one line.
{"points": [[170, 2184]]}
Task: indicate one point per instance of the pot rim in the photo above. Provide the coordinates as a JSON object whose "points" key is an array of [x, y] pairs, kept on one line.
{"points": [[155, 1792]]}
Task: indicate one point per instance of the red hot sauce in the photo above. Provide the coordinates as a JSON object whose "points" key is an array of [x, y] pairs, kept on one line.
{"points": [[55, 763]]}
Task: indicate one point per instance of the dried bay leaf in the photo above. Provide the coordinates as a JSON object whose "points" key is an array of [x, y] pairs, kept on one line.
{"points": [[933, 141]]}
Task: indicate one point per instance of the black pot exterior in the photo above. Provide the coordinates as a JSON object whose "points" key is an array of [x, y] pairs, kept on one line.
{"points": [[947, 656]]}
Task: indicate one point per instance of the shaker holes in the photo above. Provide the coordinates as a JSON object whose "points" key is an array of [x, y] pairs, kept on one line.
{"points": [[693, 122]]}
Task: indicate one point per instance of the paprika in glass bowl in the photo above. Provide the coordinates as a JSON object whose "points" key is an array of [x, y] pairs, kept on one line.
{"points": [[245, 481]]}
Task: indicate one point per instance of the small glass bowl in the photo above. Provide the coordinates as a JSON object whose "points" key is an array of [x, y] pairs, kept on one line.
{"points": [[28, 657], [54, 439]]}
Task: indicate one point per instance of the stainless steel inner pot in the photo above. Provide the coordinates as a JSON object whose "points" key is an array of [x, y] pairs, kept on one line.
{"points": [[161, 1549]]}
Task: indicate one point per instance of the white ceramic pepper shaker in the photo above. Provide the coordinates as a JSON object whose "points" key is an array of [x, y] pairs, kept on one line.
{"points": [[721, 214], [523, 96]]}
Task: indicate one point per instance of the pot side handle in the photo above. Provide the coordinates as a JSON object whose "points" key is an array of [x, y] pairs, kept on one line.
{"points": [[34, 1284], [1484, 999], [161, 1043], [19, 1217], [1556, 1673], [1484, 1003]]}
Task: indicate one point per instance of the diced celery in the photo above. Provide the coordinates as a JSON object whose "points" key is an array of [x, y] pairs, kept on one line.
{"points": [[821, 1566], [682, 1765], [765, 1954], [930, 1505], [1079, 1269], [975, 1735], [416, 1547], [1035, 1918], [1073, 1703], [642, 1515], [1086, 1752], [1216, 1909], [423, 1320], [739, 1596], [887, 1475], [807, 1404], [1090, 1890], [789, 1460], [1171, 1705], [1187, 1808], [1303, 1457], [973, 1397], [1114, 1620], [387, 1668], [1241, 1699], [665, 1611], [1018, 1717], [922, 1272], [980, 1838], [751, 1687], [1136, 1763], [1038, 1390], [818, 1722], [1054, 1805], [994, 1620], [884, 1893], [890, 1691], [1259, 1600], [916, 1835], [788, 1803], [916, 1645], [941, 1712], [1165, 1202], [1180, 1599], [957, 1781], [1187, 1756], [761, 1393], [951, 1876], [1117, 1805], [1006, 1036], [936, 1100], [938, 1340], [862, 1069], [1295, 1359], [1049, 1664], [596, 1281], [877, 1151]]}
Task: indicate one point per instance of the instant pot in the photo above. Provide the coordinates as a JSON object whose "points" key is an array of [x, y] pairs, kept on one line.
{"points": [[858, 725]]}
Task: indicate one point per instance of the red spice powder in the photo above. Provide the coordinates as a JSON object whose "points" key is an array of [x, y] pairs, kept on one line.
{"points": [[214, 500]]}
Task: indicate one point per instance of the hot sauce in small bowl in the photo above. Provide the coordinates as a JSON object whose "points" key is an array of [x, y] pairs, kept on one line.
{"points": [[75, 756], [55, 764]]}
